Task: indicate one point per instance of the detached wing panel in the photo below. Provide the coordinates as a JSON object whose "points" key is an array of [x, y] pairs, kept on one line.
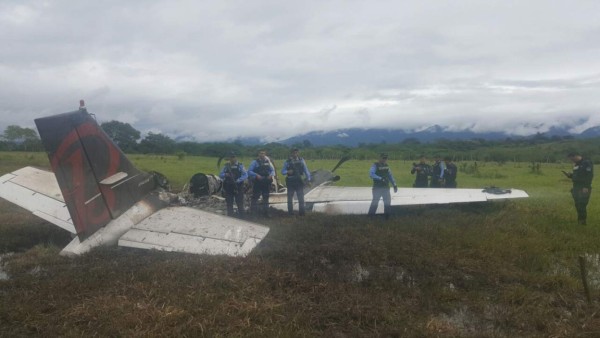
{"points": [[194, 231], [37, 191], [356, 200]]}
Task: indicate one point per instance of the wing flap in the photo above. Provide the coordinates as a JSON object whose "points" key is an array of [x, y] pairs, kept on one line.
{"points": [[19, 187], [194, 231]]}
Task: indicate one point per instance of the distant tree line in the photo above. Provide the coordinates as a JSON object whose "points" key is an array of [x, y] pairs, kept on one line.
{"points": [[537, 148]]}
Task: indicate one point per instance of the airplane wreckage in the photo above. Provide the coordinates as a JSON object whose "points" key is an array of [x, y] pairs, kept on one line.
{"points": [[97, 194]]}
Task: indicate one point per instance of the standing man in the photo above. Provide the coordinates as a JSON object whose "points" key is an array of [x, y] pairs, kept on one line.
{"points": [[294, 168], [450, 173], [437, 173], [381, 175], [422, 171], [233, 175], [582, 175], [261, 172]]}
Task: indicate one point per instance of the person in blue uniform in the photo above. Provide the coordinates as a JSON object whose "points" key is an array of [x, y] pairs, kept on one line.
{"points": [[422, 170], [450, 173], [582, 176], [382, 176], [437, 173], [233, 175], [294, 169], [261, 173]]}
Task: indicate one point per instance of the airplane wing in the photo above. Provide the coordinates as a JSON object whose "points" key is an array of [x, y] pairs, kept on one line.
{"points": [[37, 190], [191, 230], [356, 200]]}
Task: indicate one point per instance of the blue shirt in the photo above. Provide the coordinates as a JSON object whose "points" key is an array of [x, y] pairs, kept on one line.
{"points": [[255, 165], [287, 166], [443, 168], [375, 177], [243, 173]]}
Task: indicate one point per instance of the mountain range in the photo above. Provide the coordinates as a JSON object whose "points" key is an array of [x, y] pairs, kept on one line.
{"points": [[354, 137]]}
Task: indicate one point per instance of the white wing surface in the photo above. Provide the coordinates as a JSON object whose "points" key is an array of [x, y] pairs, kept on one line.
{"points": [[356, 200], [37, 190], [194, 231]]}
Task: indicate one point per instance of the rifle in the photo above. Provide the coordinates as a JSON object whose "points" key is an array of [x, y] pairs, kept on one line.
{"points": [[569, 175], [229, 180]]}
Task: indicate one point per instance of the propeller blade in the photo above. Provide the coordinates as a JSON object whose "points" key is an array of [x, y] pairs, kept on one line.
{"points": [[341, 161]]}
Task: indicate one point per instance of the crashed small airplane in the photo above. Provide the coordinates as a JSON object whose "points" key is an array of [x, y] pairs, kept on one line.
{"points": [[97, 194]]}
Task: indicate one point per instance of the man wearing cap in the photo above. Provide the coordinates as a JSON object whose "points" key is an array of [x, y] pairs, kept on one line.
{"points": [[261, 173], [582, 176], [233, 175], [381, 175], [294, 168]]}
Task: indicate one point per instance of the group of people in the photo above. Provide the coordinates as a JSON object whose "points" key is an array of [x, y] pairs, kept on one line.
{"points": [[442, 174], [261, 173]]}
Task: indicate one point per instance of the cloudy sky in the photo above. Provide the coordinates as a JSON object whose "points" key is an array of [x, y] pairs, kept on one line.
{"points": [[215, 70]]}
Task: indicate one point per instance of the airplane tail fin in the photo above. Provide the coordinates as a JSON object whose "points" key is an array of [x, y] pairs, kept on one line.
{"points": [[97, 181]]}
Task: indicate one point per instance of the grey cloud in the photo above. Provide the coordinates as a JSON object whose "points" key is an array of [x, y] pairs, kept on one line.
{"points": [[218, 70]]}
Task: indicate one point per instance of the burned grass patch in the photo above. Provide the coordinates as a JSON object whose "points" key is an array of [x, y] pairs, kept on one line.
{"points": [[20, 230], [428, 272]]}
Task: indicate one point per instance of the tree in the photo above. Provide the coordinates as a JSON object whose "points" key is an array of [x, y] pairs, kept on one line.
{"points": [[22, 138], [17, 134], [123, 134], [157, 144]]}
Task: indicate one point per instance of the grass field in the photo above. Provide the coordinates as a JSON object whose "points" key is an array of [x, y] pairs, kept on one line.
{"points": [[506, 269]]}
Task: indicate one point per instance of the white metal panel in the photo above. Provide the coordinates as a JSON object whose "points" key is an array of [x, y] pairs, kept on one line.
{"points": [[61, 222], [408, 196], [356, 200], [186, 243], [327, 193], [111, 232], [404, 196], [418, 196], [26, 195], [346, 208], [38, 180], [114, 178], [195, 231]]}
